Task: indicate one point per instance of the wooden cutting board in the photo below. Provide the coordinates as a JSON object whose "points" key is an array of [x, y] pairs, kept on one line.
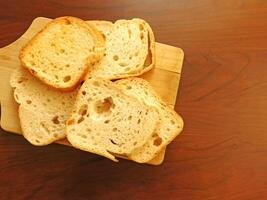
{"points": [[165, 78]]}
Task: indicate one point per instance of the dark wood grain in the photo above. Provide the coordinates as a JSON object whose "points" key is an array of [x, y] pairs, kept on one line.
{"points": [[222, 152]]}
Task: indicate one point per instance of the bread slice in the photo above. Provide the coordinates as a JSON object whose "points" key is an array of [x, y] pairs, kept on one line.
{"points": [[171, 124], [42, 110], [105, 121], [62, 52], [129, 49]]}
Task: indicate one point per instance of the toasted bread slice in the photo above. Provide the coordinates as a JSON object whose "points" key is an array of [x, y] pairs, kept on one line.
{"points": [[129, 49], [42, 109], [61, 54], [171, 124], [105, 121]]}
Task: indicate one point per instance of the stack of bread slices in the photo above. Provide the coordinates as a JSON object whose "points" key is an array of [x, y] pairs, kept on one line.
{"points": [[78, 81]]}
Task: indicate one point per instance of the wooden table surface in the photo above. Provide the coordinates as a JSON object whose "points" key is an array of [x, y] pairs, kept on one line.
{"points": [[222, 152]]}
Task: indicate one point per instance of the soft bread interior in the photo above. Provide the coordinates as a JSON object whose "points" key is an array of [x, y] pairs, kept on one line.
{"points": [[105, 121]]}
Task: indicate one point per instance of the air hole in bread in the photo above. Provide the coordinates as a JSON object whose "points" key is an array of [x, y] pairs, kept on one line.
{"points": [[83, 110], [48, 100], [96, 83], [139, 120], [130, 57], [136, 54], [55, 135], [32, 55], [80, 120], [84, 136], [32, 63], [37, 141], [88, 130], [135, 143], [39, 136], [155, 135], [56, 76], [130, 117], [123, 64], [43, 128], [103, 35], [114, 129], [83, 92], [127, 69], [129, 32], [116, 58], [142, 36], [112, 141], [168, 129], [67, 65], [70, 122], [53, 45], [157, 141], [172, 122], [62, 50], [28, 101], [141, 27], [106, 121], [128, 87], [55, 120], [66, 79], [104, 106]]}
